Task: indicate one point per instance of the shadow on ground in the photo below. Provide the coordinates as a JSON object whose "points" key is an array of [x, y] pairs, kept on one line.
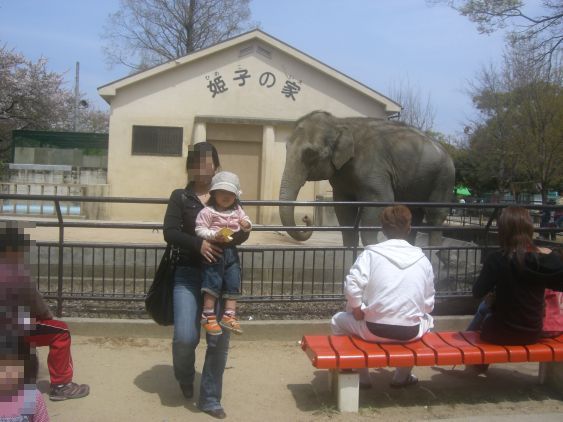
{"points": [[160, 380], [447, 386]]}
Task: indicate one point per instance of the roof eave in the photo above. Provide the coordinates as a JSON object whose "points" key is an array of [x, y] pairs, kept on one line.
{"points": [[109, 91]]}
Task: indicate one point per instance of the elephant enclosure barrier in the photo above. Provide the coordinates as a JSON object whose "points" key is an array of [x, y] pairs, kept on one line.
{"points": [[68, 271]]}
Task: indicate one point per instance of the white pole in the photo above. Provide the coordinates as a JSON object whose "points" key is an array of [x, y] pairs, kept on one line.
{"points": [[76, 96]]}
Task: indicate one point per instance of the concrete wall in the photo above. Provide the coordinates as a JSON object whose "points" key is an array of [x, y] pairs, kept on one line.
{"points": [[64, 180]]}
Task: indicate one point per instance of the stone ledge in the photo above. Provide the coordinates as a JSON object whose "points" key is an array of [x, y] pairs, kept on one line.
{"points": [[280, 330]]}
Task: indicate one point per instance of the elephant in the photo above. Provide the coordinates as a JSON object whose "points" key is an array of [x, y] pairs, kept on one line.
{"points": [[366, 159]]}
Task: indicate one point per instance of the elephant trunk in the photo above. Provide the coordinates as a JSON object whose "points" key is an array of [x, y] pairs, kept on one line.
{"points": [[289, 190]]}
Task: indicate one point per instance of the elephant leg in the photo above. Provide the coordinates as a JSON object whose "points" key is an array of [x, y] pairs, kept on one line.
{"points": [[370, 217], [442, 192], [346, 217], [435, 217], [417, 218]]}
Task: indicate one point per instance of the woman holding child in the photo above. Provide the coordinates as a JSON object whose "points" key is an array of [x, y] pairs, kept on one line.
{"points": [[180, 230]]}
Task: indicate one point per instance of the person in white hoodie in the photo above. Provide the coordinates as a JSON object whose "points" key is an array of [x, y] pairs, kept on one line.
{"points": [[389, 293]]}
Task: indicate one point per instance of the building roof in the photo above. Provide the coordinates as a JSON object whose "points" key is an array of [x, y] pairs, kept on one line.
{"points": [[108, 91]]}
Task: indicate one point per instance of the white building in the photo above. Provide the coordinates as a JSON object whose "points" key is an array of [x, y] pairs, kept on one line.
{"points": [[242, 95]]}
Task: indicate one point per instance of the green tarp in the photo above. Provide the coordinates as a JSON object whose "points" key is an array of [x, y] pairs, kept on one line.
{"points": [[462, 190]]}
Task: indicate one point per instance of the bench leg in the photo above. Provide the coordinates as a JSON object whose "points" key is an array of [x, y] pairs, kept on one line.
{"points": [[551, 374], [542, 372], [346, 387]]}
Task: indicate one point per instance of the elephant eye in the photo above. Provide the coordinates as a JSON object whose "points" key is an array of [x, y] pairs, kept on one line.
{"points": [[309, 156]]}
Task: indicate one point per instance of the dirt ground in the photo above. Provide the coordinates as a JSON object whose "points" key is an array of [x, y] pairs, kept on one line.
{"points": [[131, 379]]}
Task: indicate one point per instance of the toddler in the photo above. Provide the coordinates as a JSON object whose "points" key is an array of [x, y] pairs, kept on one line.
{"points": [[222, 217], [20, 400]]}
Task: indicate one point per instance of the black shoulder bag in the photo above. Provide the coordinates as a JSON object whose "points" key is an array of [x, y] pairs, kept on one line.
{"points": [[159, 302]]}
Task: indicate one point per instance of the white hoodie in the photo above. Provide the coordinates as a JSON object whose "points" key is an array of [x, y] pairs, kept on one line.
{"points": [[393, 282]]}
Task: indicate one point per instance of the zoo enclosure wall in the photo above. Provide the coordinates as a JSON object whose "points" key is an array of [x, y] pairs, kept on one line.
{"points": [[122, 272]]}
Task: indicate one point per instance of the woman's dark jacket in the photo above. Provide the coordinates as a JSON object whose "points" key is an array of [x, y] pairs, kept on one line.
{"points": [[179, 226], [518, 308]]}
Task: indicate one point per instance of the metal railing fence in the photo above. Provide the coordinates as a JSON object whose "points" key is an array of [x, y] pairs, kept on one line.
{"points": [[67, 271]]}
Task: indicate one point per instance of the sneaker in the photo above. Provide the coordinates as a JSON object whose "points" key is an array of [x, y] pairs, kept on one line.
{"points": [[209, 324], [67, 391], [230, 323]]}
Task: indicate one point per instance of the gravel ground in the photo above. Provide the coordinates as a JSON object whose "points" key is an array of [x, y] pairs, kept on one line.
{"points": [[254, 311]]}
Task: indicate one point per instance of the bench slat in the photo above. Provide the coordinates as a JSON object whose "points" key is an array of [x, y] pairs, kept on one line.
{"points": [[349, 356], [539, 352], [471, 355], [398, 355], [424, 355], [446, 348], [492, 353], [556, 346], [320, 351], [517, 353], [445, 354], [376, 356]]}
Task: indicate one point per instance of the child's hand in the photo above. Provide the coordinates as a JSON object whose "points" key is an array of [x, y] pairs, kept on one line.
{"points": [[219, 238], [245, 225]]}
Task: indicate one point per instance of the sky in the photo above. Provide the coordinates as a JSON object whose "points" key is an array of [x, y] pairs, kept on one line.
{"points": [[381, 43]]}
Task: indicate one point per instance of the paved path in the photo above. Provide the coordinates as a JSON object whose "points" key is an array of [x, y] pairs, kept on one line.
{"points": [[272, 380]]}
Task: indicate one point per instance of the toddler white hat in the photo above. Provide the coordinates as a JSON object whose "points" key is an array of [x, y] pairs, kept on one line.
{"points": [[225, 180]]}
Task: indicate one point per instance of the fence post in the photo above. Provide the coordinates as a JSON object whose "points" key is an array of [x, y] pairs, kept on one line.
{"points": [[59, 312], [487, 227]]}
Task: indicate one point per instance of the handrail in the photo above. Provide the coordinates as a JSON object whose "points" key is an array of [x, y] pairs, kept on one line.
{"points": [[63, 223], [137, 200]]}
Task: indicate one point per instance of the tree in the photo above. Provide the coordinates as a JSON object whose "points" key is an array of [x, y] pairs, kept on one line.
{"points": [[417, 111], [545, 29], [34, 98], [144, 33], [517, 137], [31, 97], [93, 120]]}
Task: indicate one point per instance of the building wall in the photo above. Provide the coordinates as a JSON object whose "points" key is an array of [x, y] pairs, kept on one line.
{"points": [[178, 96]]}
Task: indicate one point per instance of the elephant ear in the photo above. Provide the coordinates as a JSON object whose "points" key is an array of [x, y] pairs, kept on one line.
{"points": [[343, 149]]}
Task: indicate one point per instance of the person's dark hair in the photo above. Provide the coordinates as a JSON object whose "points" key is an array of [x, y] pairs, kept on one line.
{"points": [[13, 238], [212, 202], [200, 150], [515, 231], [396, 222]]}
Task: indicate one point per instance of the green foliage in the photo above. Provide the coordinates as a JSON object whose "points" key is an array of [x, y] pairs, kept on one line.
{"points": [[518, 137]]}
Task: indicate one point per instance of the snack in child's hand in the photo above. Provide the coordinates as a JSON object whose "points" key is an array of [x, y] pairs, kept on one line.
{"points": [[226, 233]]}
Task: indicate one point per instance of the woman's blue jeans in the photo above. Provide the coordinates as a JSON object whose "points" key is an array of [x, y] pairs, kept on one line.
{"points": [[187, 314], [482, 312]]}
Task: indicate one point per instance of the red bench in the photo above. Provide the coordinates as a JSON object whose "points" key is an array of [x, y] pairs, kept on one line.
{"points": [[341, 354]]}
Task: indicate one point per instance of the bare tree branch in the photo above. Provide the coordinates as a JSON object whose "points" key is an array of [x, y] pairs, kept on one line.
{"points": [[144, 33], [417, 111], [490, 15]]}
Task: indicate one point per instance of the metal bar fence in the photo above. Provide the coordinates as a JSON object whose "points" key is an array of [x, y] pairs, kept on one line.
{"points": [[123, 272]]}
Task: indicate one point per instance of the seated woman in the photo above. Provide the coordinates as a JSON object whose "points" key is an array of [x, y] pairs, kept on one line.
{"points": [[389, 292], [514, 280]]}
